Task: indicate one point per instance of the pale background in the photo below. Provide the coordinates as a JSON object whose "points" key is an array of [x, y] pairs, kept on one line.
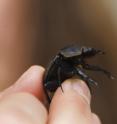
{"points": [[31, 32]]}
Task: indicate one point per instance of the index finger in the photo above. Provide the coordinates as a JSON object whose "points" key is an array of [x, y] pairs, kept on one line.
{"points": [[30, 82]]}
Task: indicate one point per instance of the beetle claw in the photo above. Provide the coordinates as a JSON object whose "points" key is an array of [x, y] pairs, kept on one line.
{"points": [[93, 82], [101, 52], [112, 77]]}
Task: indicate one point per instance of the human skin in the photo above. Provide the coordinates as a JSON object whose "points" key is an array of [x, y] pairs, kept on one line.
{"points": [[24, 102]]}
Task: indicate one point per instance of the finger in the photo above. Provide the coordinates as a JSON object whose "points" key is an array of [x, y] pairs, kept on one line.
{"points": [[22, 108], [30, 81], [72, 106], [95, 119]]}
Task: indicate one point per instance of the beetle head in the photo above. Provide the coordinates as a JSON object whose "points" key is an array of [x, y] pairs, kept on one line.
{"points": [[90, 52]]}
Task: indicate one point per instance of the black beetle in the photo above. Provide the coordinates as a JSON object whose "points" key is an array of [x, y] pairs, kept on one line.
{"points": [[68, 62]]}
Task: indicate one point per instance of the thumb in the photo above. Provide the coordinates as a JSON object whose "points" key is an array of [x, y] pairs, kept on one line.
{"points": [[72, 105]]}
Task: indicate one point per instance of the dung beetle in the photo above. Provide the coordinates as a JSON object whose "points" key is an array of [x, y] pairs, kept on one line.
{"points": [[71, 61]]}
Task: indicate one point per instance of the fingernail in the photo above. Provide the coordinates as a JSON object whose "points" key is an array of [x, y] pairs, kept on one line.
{"points": [[79, 87]]}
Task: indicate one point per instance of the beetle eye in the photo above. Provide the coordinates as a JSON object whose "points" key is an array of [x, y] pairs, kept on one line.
{"points": [[86, 50]]}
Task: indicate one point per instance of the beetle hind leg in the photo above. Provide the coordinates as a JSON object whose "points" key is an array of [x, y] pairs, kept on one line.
{"points": [[47, 95], [59, 78], [49, 87]]}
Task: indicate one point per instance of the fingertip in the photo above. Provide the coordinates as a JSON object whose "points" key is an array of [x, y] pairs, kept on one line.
{"points": [[31, 81], [74, 90], [33, 73], [37, 67], [79, 87]]}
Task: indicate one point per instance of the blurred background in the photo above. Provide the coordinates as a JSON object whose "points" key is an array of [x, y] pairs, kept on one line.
{"points": [[31, 32]]}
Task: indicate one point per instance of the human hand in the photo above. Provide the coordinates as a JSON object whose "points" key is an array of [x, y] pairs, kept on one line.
{"points": [[23, 102]]}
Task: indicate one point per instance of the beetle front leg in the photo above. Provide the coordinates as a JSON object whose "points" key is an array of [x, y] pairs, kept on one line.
{"points": [[97, 68]]}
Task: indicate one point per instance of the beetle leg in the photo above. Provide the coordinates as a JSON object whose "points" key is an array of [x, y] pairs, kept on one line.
{"points": [[59, 78], [96, 68], [51, 86], [85, 77], [47, 95]]}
